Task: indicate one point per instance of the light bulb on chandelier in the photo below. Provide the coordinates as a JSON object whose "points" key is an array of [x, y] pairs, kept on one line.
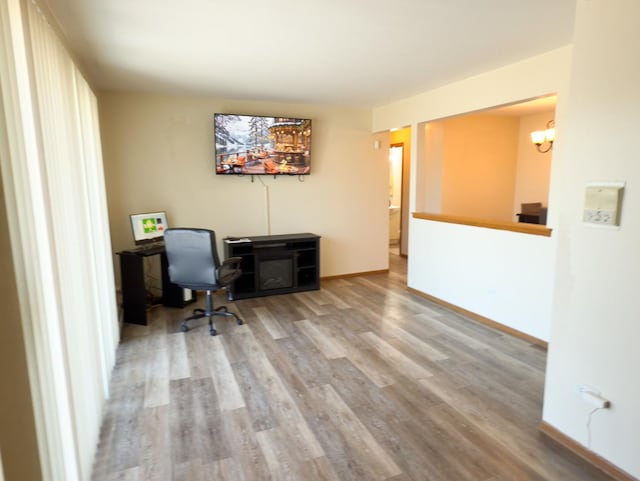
{"points": [[539, 137]]}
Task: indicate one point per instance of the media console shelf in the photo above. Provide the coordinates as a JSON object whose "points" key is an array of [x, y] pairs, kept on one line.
{"points": [[274, 264]]}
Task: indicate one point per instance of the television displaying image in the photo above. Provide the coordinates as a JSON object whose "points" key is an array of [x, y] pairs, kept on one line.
{"points": [[258, 145]]}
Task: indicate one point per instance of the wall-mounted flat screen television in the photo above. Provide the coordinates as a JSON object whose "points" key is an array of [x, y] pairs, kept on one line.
{"points": [[259, 145]]}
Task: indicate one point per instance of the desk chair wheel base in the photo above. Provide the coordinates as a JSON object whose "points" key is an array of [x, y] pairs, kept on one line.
{"points": [[225, 312], [210, 312]]}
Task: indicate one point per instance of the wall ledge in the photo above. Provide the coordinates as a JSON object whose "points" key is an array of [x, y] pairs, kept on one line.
{"points": [[521, 227], [580, 450]]}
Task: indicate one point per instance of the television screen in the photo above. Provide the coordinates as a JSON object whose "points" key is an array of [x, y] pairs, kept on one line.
{"points": [[148, 227], [256, 145]]}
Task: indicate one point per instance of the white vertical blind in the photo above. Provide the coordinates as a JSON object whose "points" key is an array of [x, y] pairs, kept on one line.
{"points": [[23, 199], [103, 289], [78, 223], [60, 238]]}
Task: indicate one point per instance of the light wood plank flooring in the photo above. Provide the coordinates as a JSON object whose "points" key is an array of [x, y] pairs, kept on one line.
{"points": [[358, 381]]}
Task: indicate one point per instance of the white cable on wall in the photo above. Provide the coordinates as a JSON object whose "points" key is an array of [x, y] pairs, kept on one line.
{"points": [[589, 427], [267, 206]]}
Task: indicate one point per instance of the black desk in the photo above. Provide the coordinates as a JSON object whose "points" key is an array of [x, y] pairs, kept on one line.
{"points": [[134, 293]]}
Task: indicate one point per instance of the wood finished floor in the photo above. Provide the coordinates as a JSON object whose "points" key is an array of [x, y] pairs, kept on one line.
{"points": [[358, 381]]}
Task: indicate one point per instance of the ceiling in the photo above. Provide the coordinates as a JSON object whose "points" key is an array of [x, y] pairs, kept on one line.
{"points": [[349, 52]]}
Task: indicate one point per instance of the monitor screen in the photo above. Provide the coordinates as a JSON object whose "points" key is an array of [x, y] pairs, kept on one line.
{"points": [[148, 227], [259, 145]]}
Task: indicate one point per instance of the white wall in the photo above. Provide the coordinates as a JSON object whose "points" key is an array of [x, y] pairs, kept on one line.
{"points": [[595, 332], [504, 260], [504, 276], [158, 153]]}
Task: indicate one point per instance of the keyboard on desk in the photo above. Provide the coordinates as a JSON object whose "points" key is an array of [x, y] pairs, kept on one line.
{"points": [[149, 249]]}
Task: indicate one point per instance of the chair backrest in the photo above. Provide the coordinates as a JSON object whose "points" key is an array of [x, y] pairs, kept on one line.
{"points": [[193, 258]]}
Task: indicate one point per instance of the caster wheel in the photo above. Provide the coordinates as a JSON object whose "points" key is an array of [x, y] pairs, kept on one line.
{"points": [[213, 332], [239, 322], [184, 328]]}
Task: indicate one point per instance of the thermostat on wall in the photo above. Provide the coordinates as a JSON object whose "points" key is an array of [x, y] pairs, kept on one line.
{"points": [[602, 203]]}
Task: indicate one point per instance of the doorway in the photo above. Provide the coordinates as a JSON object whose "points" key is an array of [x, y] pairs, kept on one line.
{"points": [[396, 155], [400, 144]]}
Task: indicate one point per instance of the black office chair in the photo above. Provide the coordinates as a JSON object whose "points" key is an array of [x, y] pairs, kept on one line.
{"points": [[194, 264]]}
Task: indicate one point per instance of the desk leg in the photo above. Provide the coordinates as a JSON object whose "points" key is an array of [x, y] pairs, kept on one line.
{"points": [[134, 293]]}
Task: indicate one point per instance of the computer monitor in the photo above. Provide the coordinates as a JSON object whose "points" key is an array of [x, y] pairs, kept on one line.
{"points": [[148, 227]]}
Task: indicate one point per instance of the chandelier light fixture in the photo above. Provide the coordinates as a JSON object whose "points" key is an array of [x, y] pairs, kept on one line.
{"points": [[540, 137]]}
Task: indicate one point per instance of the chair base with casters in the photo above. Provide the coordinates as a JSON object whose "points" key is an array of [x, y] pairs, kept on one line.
{"points": [[210, 312]]}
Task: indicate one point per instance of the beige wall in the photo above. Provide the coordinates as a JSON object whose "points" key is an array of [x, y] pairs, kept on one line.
{"points": [[428, 185], [17, 426], [158, 155], [534, 168], [484, 165], [479, 166]]}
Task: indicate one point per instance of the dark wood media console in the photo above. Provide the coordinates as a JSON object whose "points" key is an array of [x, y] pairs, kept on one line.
{"points": [[274, 264]]}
